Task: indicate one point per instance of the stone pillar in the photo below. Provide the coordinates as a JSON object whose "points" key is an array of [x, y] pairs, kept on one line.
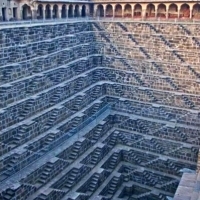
{"points": [[167, 14], [132, 11], [104, 10], [20, 14], [144, 13], [43, 13], [87, 11], [59, 13], [34, 14], [66, 12], [156, 13], [190, 13], [178, 13]]}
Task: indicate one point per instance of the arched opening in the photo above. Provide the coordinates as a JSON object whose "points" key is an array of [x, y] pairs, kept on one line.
{"points": [[100, 11], [127, 10], [109, 11], [118, 10], [55, 11], [48, 12], [173, 11], [196, 11], [185, 11], [161, 12], [63, 11], [76, 11], [26, 12], [40, 11], [70, 11], [150, 11], [137, 10], [83, 11]]}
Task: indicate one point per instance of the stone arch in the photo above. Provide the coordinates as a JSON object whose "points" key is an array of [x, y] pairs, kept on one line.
{"points": [[76, 11], [55, 11], [83, 11], [137, 10], [70, 11], [196, 11], [150, 11], [161, 12], [173, 11], [40, 11], [109, 11], [118, 10], [185, 11], [48, 12], [64, 11], [127, 10], [26, 12], [100, 11]]}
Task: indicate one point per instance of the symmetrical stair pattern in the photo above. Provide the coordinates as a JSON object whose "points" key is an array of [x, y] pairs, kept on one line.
{"points": [[98, 110]]}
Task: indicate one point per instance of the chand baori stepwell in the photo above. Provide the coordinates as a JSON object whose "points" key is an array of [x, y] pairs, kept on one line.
{"points": [[99, 100]]}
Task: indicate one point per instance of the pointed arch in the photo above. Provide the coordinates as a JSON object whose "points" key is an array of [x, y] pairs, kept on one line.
{"points": [[100, 11], [55, 11], [118, 10], [64, 11], [40, 11], [83, 11], [70, 11], [185, 11], [127, 10], [137, 10], [150, 11], [109, 11], [196, 11], [26, 12], [48, 12], [161, 12], [76, 11], [173, 11]]}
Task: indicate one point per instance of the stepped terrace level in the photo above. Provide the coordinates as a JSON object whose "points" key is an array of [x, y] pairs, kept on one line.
{"points": [[99, 110]]}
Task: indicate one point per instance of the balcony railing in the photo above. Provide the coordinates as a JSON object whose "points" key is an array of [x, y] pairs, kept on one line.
{"points": [[103, 19]]}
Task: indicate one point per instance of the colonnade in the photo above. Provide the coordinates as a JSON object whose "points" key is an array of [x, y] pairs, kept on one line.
{"points": [[131, 10], [53, 11], [163, 10]]}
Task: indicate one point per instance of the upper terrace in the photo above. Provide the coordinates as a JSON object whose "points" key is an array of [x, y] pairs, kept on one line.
{"points": [[53, 9]]}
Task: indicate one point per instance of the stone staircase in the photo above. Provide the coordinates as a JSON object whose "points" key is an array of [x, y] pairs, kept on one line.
{"points": [[189, 33]]}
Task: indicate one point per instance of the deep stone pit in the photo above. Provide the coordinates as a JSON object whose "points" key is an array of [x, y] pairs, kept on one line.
{"points": [[98, 110]]}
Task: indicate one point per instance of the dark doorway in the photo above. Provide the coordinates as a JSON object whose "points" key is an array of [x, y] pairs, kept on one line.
{"points": [[48, 12], [4, 14], [70, 11], [64, 12], [76, 11], [83, 11], [40, 12], [15, 13], [26, 12]]}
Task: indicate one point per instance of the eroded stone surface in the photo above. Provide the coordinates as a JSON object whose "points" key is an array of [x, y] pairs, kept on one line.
{"points": [[97, 110]]}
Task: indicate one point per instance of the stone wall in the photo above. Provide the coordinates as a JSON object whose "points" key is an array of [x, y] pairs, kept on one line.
{"points": [[97, 109]]}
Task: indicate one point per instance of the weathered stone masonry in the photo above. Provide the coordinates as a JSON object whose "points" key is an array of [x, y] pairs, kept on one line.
{"points": [[97, 109]]}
